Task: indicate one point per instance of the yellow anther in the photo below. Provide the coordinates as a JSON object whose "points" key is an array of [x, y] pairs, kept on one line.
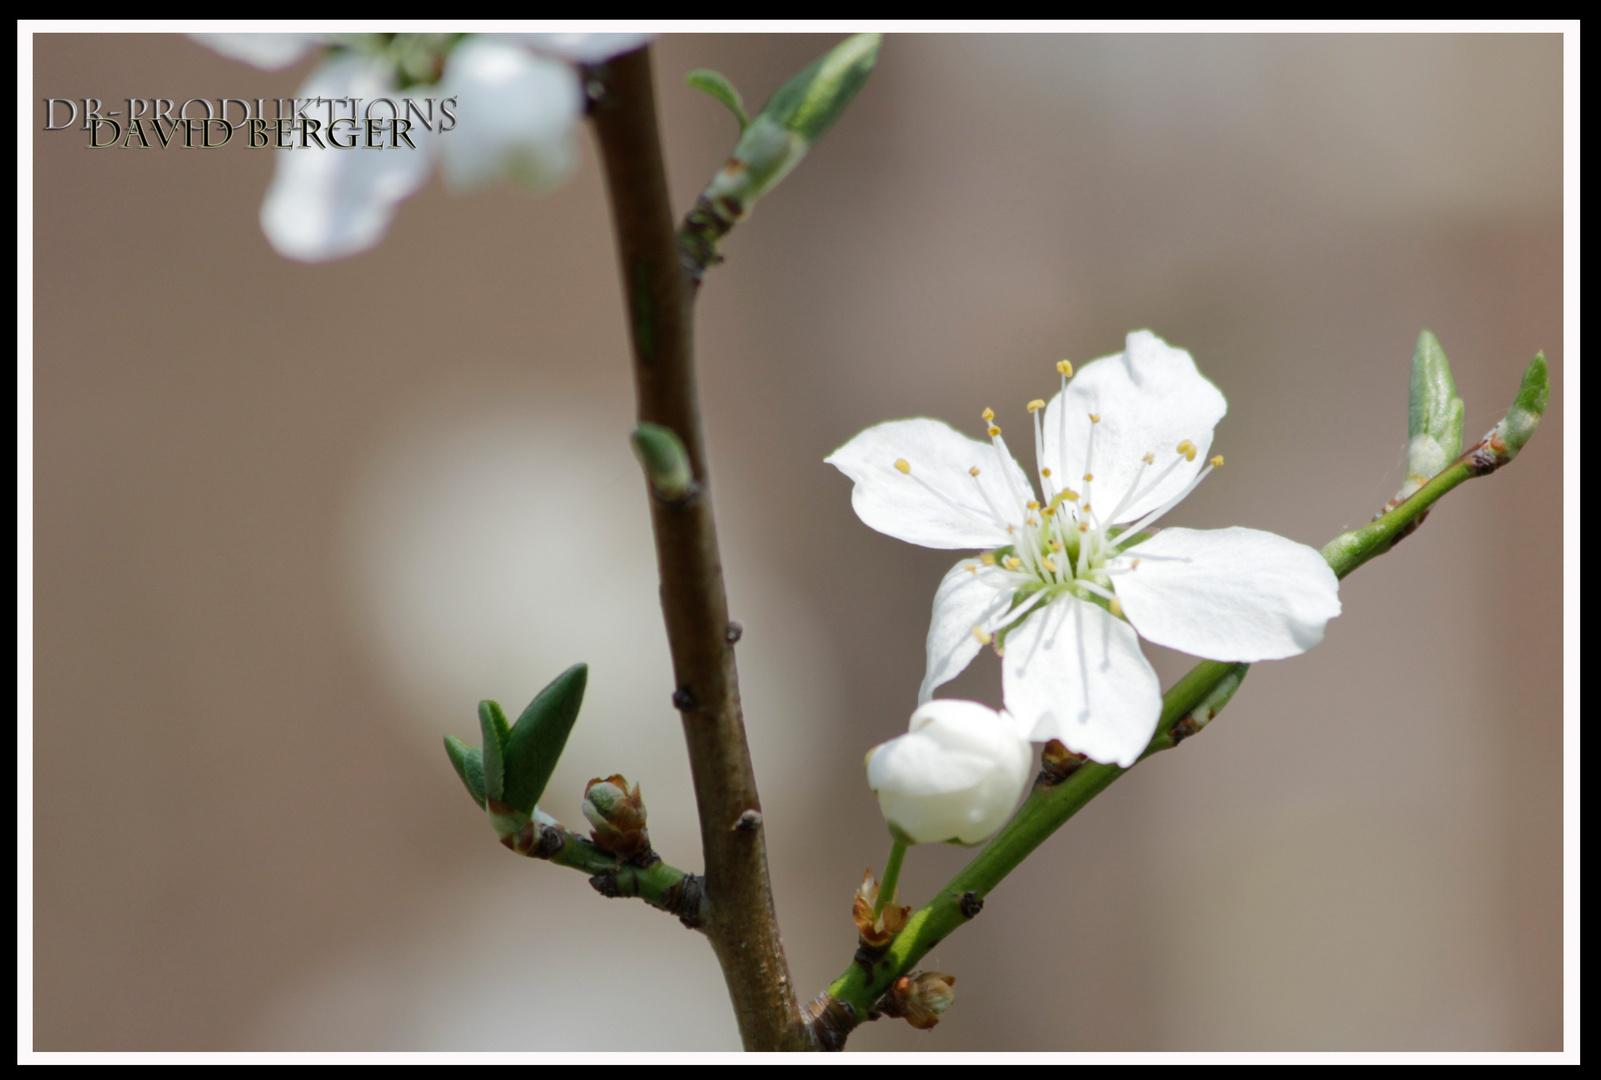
{"points": [[904, 466], [973, 471], [1088, 477], [1037, 403], [994, 431], [988, 558], [1056, 546], [1149, 459], [971, 569], [1064, 367], [1013, 562], [1049, 511], [1187, 448], [1032, 505], [1069, 494], [1095, 418], [1084, 526], [988, 414], [1134, 565], [1046, 472], [1114, 607], [1217, 462], [1049, 565], [984, 637], [1086, 508]]}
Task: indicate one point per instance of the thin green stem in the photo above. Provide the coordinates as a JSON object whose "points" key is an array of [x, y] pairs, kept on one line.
{"points": [[892, 877], [668, 888], [1186, 707]]}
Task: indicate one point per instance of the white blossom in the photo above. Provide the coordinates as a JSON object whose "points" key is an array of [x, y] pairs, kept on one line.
{"points": [[1071, 573], [954, 776], [518, 99]]}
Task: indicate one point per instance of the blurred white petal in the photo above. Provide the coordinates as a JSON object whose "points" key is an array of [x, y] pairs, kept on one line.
{"points": [[327, 203], [266, 51], [516, 116], [580, 48]]}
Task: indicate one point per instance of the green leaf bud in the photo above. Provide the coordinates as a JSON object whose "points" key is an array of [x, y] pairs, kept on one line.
{"points": [[1434, 417], [810, 102], [665, 460], [1527, 408], [774, 142]]}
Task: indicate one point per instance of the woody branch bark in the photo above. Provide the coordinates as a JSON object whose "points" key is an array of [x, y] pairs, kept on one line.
{"points": [[740, 919]]}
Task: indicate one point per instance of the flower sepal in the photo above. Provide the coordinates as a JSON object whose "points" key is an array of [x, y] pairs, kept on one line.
{"points": [[877, 931]]}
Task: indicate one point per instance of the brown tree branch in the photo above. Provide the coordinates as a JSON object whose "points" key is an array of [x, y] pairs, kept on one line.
{"points": [[740, 921]]}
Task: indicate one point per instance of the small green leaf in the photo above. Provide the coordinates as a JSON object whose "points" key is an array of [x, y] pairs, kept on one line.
{"points": [[535, 744], [492, 722], [717, 85], [469, 763], [809, 103], [1534, 393]]}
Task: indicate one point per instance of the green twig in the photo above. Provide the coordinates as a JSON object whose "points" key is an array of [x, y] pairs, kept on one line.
{"points": [[661, 886]]}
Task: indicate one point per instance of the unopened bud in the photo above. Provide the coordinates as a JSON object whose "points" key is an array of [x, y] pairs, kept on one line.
{"points": [[955, 776], [920, 998], [1524, 416], [666, 462], [618, 817], [876, 932]]}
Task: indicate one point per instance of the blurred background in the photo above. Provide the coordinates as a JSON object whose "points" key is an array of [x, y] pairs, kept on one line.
{"points": [[292, 522]]}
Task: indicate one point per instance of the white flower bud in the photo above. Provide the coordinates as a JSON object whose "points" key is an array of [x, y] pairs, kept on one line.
{"points": [[955, 776]]}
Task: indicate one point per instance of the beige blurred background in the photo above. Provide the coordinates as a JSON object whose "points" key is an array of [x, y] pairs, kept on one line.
{"points": [[292, 522]]}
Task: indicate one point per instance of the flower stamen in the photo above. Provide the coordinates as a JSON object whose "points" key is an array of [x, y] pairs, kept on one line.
{"points": [[1146, 521]]}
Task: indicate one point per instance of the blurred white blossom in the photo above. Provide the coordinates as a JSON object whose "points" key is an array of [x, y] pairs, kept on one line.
{"points": [[518, 99]]}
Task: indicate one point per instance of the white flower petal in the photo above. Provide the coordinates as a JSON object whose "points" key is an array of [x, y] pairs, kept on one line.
{"points": [[328, 203], [1074, 672], [1229, 594], [516, 115], [1150, 398], [580, 48], [971, 594], [266, 51], [937, 503]]}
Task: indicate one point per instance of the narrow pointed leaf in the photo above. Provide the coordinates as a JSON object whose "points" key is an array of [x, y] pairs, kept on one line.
{"points": [[496, 735], [536, 742], [469, 763]]}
